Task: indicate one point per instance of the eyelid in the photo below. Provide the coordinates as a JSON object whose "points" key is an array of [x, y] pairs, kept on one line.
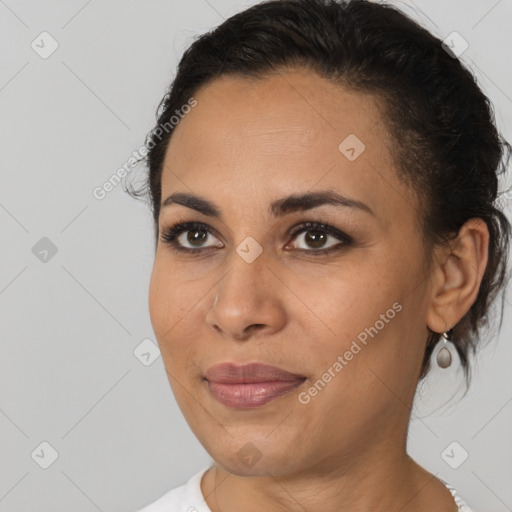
{"points": [[320, 226], [170, 234]]}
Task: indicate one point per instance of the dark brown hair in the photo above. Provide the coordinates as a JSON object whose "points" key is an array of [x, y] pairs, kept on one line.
{"points": [[446, 143]]}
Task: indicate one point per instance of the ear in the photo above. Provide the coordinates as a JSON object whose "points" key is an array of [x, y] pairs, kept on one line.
{"points": [[457, 276]]}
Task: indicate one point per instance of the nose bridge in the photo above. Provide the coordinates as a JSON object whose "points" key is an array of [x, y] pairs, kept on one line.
{"points": [[251, 300], [244, 297], [247, 266]]}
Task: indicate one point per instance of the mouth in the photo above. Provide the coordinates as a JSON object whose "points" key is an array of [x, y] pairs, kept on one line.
{"points": [[251, 385]]}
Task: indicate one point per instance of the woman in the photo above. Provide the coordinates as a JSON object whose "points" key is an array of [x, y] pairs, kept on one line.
{"points": [[323, 178]]}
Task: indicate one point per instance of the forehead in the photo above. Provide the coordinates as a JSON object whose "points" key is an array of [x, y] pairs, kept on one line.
{"points": [[286, 133]]}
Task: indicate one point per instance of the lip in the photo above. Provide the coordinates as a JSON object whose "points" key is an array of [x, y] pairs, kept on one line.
{"points": [[250, 385], [231, 373]]}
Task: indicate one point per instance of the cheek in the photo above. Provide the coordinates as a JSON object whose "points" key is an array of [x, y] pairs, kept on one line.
{"points": [[362, 318], [171, 301], [168, 304], [373, 323], [160, 301], [350, 298]]}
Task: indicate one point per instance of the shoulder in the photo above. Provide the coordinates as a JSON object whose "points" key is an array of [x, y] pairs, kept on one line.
{"points": [[463, 507], [185, 498]]}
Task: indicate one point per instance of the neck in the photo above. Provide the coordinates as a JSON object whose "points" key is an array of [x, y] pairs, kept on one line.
{"points": [[381, 483]]}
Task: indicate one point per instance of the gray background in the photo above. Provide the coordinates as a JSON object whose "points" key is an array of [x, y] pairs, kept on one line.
{"points": [[70, 325]]}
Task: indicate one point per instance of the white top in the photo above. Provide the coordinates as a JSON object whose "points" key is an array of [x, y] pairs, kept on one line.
{"points": [[189, 498]]}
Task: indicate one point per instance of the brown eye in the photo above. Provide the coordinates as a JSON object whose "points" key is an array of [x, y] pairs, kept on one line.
{"points": [[189, 236], [315, 236], [196, 236], [315, 239]]}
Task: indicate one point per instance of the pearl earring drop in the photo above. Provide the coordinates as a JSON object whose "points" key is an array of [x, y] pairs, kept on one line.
{"points": [[444, 356]]}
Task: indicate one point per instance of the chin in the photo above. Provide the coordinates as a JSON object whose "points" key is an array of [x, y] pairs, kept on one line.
{"points": [[253, 459], [260, 469]]}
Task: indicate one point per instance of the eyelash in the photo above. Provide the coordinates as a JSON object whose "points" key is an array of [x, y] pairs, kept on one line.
{"points": [[169, 236]]}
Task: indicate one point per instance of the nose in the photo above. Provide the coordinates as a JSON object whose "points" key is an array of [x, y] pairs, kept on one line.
{"points": [[248, 300]]}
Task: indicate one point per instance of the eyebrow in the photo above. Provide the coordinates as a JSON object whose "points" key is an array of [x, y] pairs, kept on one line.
{"points": [[278, 208]]}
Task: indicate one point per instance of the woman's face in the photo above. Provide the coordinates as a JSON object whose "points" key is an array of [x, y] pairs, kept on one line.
{"points": [[352, 320]]}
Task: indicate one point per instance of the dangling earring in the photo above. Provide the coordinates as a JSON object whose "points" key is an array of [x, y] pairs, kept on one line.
{"points": [[444, 356]]}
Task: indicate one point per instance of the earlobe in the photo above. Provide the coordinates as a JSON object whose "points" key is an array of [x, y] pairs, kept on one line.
{"points": [[456, 281]]}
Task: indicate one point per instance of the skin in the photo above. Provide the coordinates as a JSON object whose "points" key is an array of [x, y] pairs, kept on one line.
{"points": [[245, 144]]}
